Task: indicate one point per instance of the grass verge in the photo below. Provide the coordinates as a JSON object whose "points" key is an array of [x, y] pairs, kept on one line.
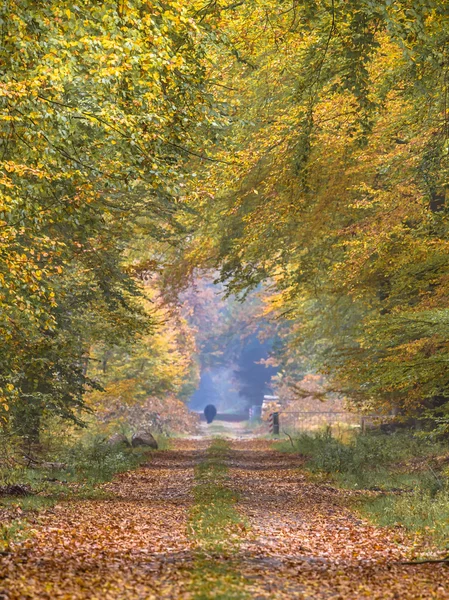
{"points": [[405, 477], [73, 470], [215, 528]]}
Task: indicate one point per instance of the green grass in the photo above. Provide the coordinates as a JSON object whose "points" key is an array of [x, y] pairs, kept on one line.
{"points": [[89, 462], [412, 490], [11, 532], [215, 528], [216, 428], [418, 512]]}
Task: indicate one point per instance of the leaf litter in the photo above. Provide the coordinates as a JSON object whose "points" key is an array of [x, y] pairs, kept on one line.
{"points": [[297, 538]]}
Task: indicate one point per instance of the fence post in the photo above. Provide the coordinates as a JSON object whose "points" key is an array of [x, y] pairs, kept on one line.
{"points": [[274, 423]]}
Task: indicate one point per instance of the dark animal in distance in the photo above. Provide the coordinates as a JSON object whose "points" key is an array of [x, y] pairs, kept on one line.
{"points": [[209, 412]]}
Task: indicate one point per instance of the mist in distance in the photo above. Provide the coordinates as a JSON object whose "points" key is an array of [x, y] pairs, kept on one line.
{"points": [[233, 346]]}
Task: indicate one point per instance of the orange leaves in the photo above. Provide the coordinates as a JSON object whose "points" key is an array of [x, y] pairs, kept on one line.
{"points": [[132, 545], [296, 539]]}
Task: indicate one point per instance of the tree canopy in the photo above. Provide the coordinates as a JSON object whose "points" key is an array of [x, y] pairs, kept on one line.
{"points": [[100, 105], [302, 145], [332, 187]]}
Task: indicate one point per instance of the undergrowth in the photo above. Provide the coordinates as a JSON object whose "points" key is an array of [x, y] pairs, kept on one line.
{"points": [[64, 469], [405, 473]]}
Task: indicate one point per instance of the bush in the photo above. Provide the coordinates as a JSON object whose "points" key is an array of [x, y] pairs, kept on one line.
{"points": [[366, 459], [85, 461], [95, 461]]}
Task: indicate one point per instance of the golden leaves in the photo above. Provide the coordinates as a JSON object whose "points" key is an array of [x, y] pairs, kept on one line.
{"points": [[296, 539]]}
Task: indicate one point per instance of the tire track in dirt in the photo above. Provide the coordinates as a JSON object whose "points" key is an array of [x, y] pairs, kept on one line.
{"points": [[304, 543], [133, 545]]}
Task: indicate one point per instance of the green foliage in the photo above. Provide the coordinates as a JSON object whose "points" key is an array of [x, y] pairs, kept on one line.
{"points": [[333, 188], [95, 461], [72, 468], [304, 145], [366, 459], [101, 104], [157, 363]]}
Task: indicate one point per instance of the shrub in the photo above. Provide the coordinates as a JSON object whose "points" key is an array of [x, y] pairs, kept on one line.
{"points": [[94, 460], [366, 459]]}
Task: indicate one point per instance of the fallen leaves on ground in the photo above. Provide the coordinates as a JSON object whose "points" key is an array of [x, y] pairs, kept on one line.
{"points": [[305, 543], [133, 545], [300, 541]]}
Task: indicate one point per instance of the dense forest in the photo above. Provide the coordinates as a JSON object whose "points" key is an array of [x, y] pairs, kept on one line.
{"points": [[331, 189], [202, 203], [295, 152]]}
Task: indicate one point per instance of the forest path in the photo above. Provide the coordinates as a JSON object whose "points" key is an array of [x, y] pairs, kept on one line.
{"points": [[226, 429], [282, 536]]}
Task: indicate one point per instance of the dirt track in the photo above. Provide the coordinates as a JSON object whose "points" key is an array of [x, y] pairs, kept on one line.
{"points": [[301, 541]]}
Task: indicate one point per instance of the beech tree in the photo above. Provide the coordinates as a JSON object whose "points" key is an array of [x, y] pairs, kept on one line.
{"points": [[332, 187], [101, 103]]}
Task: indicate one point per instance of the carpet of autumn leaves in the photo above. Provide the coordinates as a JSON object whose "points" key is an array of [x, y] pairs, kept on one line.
{"points": [[299, 540]]}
